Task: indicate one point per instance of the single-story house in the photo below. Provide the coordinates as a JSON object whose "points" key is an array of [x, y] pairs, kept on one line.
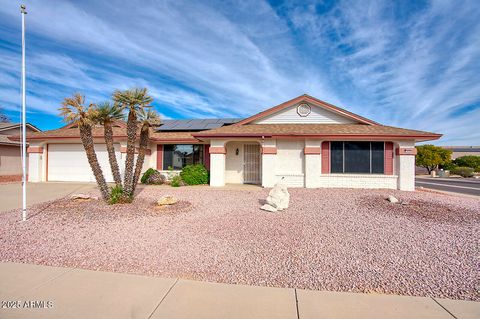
{"points": [[305, 141], [10, 151]]}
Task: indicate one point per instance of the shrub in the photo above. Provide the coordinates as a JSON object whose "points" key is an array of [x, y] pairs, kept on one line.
{"points": [[449, 166], [176, 181], [468, 161], [117, 197], [194, 174], [147, 174], [463, 171]]}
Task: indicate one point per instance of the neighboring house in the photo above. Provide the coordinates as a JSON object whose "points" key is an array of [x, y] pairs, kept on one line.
{"points": [[10, 151], [459, 151], [304, 141]]}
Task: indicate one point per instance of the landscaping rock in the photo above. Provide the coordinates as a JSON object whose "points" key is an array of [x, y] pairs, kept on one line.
{"points": [[279, 197], [167, 200], [392, 199], [82, 196], [156, 178], [268, 208]]}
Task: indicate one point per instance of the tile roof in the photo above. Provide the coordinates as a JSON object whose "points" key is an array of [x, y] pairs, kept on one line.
{"points": [[4, 140], [272, 130]]}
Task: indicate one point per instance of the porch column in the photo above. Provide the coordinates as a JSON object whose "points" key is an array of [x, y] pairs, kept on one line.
{"points": [[313, 161], [405, 152], [36, 153], [269, 156], [217, 162]]}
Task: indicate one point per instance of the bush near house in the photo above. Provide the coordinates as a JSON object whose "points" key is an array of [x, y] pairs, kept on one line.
{"points": [[147, 174], [463, 171], [468, 161], [194, 174], [176, 181]]}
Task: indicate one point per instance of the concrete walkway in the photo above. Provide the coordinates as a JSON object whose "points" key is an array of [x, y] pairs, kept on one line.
{"points": [[52, 292], [11, 193]]}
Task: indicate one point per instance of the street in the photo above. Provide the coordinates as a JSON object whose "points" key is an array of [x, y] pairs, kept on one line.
{"points": [[455, 185]]}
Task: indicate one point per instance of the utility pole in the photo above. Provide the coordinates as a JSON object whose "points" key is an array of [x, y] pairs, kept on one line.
{"points": [[24, 129]]}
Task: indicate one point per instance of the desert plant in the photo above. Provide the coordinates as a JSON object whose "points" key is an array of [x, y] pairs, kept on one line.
{"points": [[468, 161], [147, 174], [133, 100], [176, 181], [463, 171], [147, 119], [194, 174], [74, 111], [106, 114], [116, 195], [449, 166], [430, 156]]}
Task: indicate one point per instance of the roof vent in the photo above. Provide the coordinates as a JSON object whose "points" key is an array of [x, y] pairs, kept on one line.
{"points": [[304, 109]]}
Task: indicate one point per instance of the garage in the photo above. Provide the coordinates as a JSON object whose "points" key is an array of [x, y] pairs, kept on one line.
{"points": [[68, 163]]}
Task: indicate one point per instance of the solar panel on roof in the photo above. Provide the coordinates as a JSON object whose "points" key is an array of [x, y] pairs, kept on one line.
{"points": [[194, 124]]}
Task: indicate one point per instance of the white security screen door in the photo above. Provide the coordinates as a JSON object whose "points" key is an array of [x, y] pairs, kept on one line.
{"points": [[252, 173]]}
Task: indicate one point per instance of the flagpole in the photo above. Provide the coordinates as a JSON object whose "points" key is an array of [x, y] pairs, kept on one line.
{"points": [[24, 129]]}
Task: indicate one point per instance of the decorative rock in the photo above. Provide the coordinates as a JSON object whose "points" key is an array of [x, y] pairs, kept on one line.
{"points": [[279, 198], [268, 208], [81, 196], [392, 199], [156, 178], [167, 200]]}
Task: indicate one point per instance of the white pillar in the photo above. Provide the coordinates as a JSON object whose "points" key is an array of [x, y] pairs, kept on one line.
{"points": [[36, 153], [217, 163], [269, 157], [313, 162], [405, 165]]}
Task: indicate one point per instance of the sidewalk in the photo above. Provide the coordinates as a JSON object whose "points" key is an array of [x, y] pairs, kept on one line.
{"points": [[63, 293]]}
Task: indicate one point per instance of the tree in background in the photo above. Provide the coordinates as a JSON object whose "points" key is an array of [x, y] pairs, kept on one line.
{"points": [[73, 110], [147, 119], [431, 156], [3, 117], [106, 114], [468, 161], [132, 100]]}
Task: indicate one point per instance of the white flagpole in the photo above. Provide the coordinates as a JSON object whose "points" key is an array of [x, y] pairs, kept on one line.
{"points": [[24, 130]]}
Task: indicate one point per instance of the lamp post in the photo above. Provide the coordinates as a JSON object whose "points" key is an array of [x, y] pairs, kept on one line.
{"points": [[24, 130]]}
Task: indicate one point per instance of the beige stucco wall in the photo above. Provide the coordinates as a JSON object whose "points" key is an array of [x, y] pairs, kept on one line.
{"points": [[234, 163], [10, 160]]}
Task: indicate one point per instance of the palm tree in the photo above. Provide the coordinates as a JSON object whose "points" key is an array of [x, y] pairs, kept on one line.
{"points": [[133, 100], [106, 114], [147, 118], [73, 110]]}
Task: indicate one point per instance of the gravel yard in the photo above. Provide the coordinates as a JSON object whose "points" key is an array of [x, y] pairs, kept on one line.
{"points": [[329, 239]]}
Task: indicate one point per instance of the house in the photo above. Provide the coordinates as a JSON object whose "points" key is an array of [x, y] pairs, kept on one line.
{"points": [[10, 151], [305, 141]]}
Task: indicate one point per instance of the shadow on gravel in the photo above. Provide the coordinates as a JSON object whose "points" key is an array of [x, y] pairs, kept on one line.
{"points": [[420, 210]]}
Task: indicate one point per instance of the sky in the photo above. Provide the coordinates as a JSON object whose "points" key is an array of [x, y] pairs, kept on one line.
{"points": [[412, 64]]}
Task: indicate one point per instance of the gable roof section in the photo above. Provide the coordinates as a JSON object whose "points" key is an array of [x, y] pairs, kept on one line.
{"points": [[8, 126], [312, 100]]}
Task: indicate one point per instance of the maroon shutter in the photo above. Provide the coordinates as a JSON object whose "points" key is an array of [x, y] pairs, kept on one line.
{"points": [[325, 157], [388, 159], [206, 156], [160, 157]]}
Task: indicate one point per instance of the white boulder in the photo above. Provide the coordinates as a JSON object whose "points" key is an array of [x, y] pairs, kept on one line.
{"points": [[268, 208], [392, 199], [167, 200], [279, 197]]}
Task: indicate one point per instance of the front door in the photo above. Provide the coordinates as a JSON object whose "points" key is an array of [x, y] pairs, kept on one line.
{"points": [[252, 172]]}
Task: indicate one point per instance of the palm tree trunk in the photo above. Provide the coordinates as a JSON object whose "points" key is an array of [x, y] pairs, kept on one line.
{"points": [[129, 161], [87, 141], [141, 155], [111, 153]]}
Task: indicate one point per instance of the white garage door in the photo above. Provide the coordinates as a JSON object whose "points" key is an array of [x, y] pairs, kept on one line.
{"points": [[68, 163]]}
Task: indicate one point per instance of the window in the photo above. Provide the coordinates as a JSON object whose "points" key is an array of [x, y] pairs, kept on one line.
{"points": [[178, 156], [357, 157]]}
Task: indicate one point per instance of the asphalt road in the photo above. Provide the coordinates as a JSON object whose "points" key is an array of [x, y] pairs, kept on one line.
{"points": [[468, 186]]}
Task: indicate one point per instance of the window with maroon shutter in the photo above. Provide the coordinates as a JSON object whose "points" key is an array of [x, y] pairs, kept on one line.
{"points": [[325, 157], [388, 158]]}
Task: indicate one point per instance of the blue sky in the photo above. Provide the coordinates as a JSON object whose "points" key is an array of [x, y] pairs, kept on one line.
{"points": [[414, 65]]}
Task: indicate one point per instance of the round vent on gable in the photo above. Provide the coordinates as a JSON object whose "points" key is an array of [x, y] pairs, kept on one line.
{"points": [[304, 109]]}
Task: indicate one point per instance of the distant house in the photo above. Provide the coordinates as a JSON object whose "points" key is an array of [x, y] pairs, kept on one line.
{"points": [[459, 151], [305, 142], [10, 152]]}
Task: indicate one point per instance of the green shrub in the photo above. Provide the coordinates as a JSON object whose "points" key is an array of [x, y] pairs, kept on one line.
{"points": [[449, 166], [463, 171], [468, 161], [176, 181], [147, 174], [117, 196], [194, 174]]}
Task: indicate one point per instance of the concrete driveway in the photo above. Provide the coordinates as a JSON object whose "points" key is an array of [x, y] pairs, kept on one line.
{"points": [[11, 193]]}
